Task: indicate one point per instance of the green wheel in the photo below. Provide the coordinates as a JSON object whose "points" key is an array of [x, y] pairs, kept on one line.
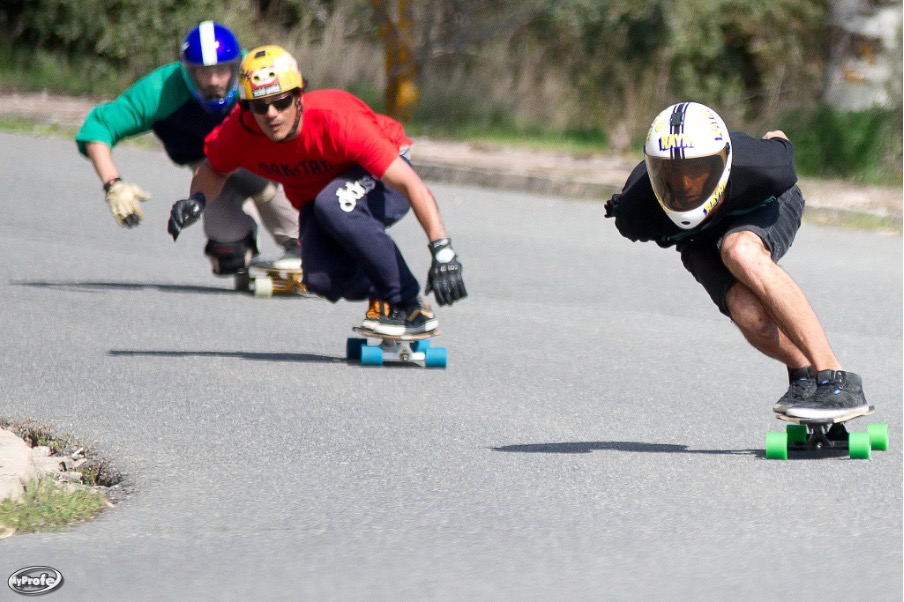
{"points": [[858, 446], [797, 433], [776, 446], [878, 436]]}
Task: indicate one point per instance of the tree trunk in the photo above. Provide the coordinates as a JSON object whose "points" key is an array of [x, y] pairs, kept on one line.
{"points": [[864, 66], [396, 29]]}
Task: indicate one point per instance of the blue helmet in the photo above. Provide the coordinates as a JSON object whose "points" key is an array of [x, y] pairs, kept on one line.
{"points": [[211, 56]]}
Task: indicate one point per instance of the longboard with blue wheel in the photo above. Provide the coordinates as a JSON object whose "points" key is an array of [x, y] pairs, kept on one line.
{"points": [[826, 434], [409, 348]]}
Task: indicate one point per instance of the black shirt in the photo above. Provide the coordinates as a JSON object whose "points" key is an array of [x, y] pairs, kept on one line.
{"points": [[182, 132], [761, 171]]}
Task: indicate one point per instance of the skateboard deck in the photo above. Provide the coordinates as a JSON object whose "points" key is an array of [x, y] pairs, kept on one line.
{"points": [[265, 280], [821, 434], [410, 348]]}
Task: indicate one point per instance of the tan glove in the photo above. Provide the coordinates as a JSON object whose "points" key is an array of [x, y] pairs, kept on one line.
{"points": [[123, 199]]}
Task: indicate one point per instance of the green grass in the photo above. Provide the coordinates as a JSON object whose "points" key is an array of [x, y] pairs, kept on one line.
{"points": [[37, 70], [857, 221], [862, 146], [48, 503], [39, 128], [49, 506], [578, 143], [35, 127]]}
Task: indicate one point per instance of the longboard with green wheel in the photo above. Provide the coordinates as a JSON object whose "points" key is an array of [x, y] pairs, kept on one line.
{"points": [[413, 348], [826, 434]]}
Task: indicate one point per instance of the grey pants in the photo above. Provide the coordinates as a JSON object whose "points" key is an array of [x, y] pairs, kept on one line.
{"points": [[230, 219]]}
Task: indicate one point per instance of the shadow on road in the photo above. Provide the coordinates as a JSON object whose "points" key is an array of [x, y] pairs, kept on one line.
{"points": [[586, 447], [99, 286], [245, 355]]}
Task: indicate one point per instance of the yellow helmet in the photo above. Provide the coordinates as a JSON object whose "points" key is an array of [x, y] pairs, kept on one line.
{"points": [[268, 71]]}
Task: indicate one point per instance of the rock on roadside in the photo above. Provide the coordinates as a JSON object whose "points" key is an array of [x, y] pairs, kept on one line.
{"points": [[17, 466]]}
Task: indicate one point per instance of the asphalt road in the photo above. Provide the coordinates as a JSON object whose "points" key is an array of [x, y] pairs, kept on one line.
{"points": [[598, 432]]}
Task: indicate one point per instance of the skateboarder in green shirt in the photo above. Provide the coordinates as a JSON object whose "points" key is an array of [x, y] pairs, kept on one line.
{"points": [[181, 102]]}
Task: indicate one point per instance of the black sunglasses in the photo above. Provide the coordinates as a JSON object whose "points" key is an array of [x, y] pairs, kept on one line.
{"points": [[260, 107]]}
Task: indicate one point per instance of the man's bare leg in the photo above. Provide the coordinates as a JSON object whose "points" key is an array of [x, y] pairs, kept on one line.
{"points": [[776, 317], [760, 330], [794, 327]]}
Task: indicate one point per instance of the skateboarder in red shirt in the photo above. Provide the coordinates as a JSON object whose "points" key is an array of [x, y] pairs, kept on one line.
{"points": [[346, 169]]}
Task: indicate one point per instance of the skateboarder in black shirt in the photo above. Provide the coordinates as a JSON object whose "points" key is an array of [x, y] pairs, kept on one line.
{"points": [[730, 205]]}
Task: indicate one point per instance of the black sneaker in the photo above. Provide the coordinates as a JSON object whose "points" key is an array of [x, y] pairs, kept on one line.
{"points": [[418, 316], [837, 393], [802, 386], [411, 317]]}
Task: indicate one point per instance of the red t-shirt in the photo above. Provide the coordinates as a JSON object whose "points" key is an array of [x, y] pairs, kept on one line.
{"points": [[338, 131]]}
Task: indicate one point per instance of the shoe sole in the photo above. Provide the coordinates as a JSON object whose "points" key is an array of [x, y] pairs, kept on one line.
{"points": [[370, 325], [819, 414]]}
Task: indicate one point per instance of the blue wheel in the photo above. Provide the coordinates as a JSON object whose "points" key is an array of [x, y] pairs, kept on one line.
{"points": [[422, 345], [353, 348], [435, 357], [371, 355]]}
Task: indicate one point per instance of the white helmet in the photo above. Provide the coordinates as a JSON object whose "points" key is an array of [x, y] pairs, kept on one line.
{"points": [[688, 157]]}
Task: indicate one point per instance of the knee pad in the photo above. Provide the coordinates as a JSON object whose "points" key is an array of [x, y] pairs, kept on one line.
{"points": [[264, 195], [230, 257]]}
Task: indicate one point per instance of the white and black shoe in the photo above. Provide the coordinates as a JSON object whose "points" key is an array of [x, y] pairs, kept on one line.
{"points": [[837, 394], [291, 259], [801, 387]]}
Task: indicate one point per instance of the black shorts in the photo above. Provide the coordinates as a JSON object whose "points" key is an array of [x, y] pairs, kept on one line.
{"points": [[776, 224]]}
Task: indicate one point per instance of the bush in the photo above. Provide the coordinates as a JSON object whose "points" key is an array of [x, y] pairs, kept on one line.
{"points": [[865, 145]]}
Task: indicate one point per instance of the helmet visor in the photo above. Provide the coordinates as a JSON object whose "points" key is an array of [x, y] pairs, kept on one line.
{"points": [[686, 184], [213, 83]]}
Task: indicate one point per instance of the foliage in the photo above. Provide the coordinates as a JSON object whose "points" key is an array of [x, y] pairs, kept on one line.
{"points": [[544, 67], [118, 40], [846, 144], [628, 59]]}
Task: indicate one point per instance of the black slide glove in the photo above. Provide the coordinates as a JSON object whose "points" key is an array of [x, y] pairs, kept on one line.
{"points": [[185, 212], [444, 278], [611, 205]]}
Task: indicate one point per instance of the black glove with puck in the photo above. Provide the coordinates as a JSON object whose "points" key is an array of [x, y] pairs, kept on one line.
{"points": [[444, 278], [184, 213]]}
